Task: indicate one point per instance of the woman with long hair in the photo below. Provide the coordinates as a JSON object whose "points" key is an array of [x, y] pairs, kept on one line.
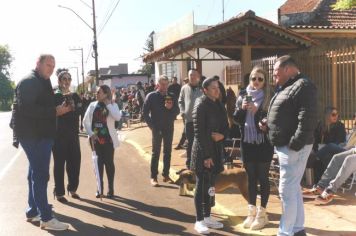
{"points": [[251, 110], [99, 123], [329, 137]]}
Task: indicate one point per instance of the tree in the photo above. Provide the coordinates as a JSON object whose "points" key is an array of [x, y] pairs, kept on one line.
{"points": [[148, 68], [6, 86], [6, 92], [344, 4], [5, 60]]}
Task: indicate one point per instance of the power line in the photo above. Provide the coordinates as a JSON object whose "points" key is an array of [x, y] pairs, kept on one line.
{"points": [[117, 3], [111, 6]]}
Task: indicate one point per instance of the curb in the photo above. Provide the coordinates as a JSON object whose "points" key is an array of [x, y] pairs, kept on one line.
{"points": [[219, 207]]}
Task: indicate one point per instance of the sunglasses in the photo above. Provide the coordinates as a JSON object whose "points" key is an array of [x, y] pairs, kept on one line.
{"points": [[334, 114], [258, 78]]}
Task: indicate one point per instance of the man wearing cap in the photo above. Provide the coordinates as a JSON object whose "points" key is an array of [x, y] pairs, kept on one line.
{"points": [[188, 94], [159, 111]]}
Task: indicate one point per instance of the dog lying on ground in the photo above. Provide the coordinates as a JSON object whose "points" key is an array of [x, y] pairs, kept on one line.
{"points": [[229, 178]]}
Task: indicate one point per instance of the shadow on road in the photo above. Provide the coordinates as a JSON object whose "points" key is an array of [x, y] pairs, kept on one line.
{"points": [[82, 228], [137, 215]]}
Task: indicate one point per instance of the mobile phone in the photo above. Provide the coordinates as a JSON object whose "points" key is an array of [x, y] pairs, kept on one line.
{"points": [[248, 98]]}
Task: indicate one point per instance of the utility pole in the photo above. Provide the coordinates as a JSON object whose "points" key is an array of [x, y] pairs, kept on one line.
{"points": [[81, 49], [95, 42], [95, 46]]}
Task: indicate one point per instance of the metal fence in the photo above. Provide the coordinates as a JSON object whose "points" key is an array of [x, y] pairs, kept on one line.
{"points": [[333, 70]]}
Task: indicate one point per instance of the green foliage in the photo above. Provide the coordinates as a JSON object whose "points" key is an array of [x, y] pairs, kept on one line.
{"points": [[344, 4], [6, 92], [5, 59], [148, 68]]}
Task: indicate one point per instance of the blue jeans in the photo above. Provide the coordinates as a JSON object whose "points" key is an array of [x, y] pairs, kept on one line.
{"points": [[39, 155], [292, 166]]}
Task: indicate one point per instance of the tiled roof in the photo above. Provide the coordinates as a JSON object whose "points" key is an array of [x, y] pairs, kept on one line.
{"points": [[326, 17], [298, 6], [334, 18]]}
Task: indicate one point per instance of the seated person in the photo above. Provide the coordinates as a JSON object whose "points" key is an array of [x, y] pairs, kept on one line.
{"points": [[341, 166], [330, 136]]}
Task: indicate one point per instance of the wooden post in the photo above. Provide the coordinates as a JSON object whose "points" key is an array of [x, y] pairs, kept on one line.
{"points": [[245, 60], [199, 66], [334, 78]]}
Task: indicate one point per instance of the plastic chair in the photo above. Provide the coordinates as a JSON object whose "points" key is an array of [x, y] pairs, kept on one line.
{"points": [[348, 186]]}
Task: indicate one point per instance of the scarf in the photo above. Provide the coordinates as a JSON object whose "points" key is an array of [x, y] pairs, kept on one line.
{"points": [[250, 132]]}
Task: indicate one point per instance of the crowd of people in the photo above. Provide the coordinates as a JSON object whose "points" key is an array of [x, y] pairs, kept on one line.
{"points": [[280, 121]]}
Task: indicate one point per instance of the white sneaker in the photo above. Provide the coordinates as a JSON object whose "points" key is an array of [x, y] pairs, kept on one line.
{"points": [[201, 228], [261, 219], [210, 223], [34, 219], [54, 224], [250, 217]]}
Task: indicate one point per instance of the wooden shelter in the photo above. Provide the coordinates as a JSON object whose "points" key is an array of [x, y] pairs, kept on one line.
{"points": [[243, 38]]}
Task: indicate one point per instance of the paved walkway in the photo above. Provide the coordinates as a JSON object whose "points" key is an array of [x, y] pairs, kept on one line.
{"points": [[335, 219]]}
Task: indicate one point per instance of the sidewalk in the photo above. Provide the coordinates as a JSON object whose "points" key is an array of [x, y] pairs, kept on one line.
{"points": [[335, 219]]}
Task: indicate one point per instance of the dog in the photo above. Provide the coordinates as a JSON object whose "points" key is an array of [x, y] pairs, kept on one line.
{"points": [[229, 178]]}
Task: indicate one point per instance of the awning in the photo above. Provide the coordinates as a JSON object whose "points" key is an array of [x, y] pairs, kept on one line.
{"points": [[228, 38]]}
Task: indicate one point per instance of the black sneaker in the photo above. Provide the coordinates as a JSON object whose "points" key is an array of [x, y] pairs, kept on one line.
{"points": [[301, 233]]}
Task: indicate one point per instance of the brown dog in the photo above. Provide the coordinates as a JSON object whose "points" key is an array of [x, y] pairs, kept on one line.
{"points": [[229, 178]]}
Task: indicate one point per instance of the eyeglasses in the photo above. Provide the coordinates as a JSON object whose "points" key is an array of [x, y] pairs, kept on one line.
{"points": [[258, 78], [334, 114]]}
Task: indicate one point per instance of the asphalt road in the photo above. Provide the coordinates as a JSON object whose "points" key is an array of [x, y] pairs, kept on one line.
{"points": [[8, 154], [138, 209]]}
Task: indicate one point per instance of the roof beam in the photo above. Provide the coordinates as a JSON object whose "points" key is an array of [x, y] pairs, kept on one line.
{"points": [[252, 46]]}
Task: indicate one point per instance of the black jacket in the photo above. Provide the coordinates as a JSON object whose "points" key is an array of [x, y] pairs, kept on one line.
{"points": [[156, 114], [35, 115], [336, 134], [67, 124], [292, 114], [240, 118], [208, 117], [240, 114]]}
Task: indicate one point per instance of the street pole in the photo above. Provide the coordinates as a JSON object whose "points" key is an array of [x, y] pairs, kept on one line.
{"points": [[81, 49], [95, 46], [95, 42]]}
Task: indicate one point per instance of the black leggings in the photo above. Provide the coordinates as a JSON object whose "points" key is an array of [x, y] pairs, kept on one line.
{"points": [[105, 154], [258, 172], [202, 200]]}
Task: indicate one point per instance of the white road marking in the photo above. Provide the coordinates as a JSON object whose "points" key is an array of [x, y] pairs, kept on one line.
{"points": [[12, 161]]}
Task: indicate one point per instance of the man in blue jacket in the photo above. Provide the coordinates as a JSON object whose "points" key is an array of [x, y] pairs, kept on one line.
{"points": [[159, 111]]}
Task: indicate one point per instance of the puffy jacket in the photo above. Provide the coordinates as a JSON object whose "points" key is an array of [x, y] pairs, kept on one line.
{"points": [[292, 114], [208, 117], [35, 115]]}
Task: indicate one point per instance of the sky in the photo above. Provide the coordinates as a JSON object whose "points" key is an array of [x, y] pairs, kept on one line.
{"points": [[33, 27]]}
